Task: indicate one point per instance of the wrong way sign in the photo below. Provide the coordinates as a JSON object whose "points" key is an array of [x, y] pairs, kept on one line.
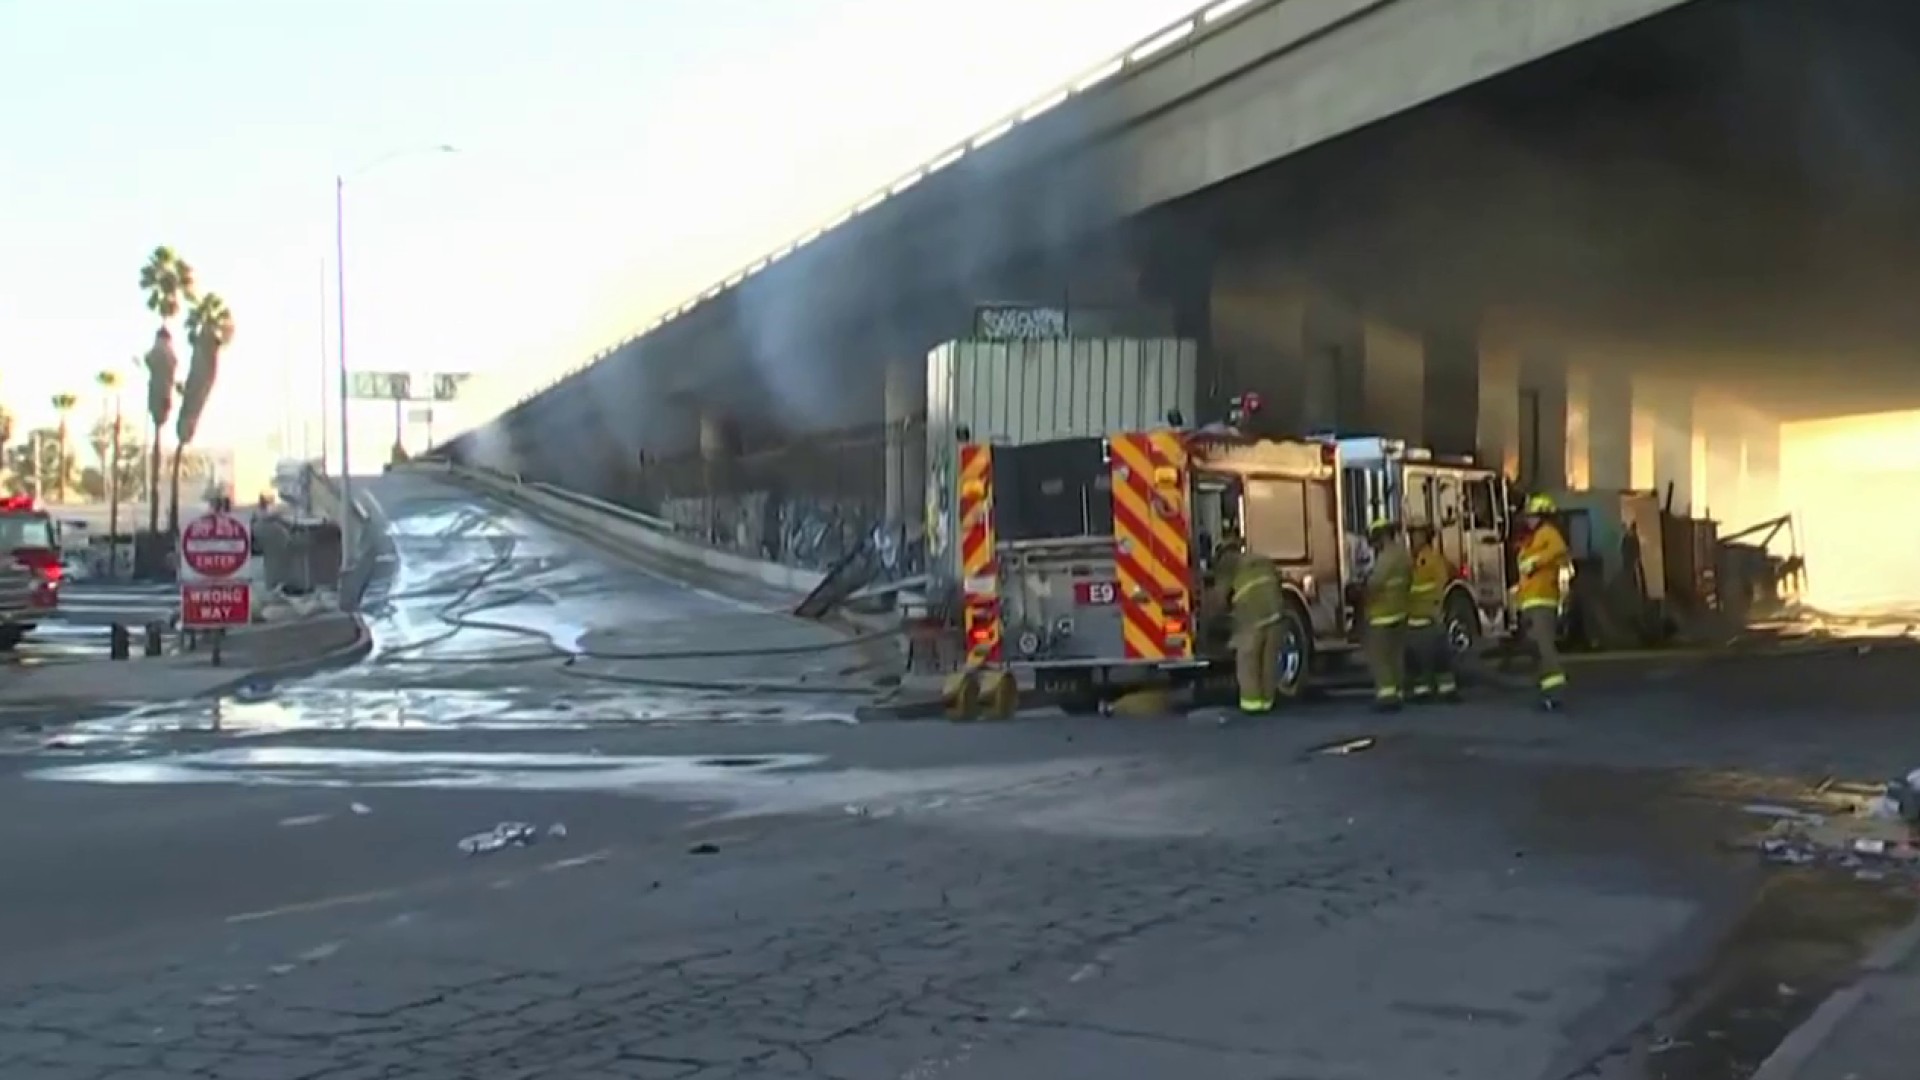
{"points": [[214, 593], [215, 605]]}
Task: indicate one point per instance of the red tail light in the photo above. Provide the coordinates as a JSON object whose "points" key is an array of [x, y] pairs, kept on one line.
{"points": [[980, 635]]}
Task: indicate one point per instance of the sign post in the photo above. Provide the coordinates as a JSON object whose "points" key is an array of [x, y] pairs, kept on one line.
{"points": [[401, 387], [213, 549]]}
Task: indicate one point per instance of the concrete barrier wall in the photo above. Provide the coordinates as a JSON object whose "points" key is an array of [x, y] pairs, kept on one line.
{"points": [[590, 516]]}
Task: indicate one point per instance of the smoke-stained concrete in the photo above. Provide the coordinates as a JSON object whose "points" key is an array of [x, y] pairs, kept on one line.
{"points": [[1543, 421], [1669, 411], [1393, 363], [1723, 429], [1498, 428], [1451, 391], [906, 445], [1609, 415], [1760, 478]]}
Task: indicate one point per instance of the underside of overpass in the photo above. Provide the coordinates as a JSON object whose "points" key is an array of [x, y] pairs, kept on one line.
{"points": [[1722, 193], [1620, 264]]}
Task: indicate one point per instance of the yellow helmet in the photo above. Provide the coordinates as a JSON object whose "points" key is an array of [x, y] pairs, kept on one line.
{"points": [[1540, 504]]}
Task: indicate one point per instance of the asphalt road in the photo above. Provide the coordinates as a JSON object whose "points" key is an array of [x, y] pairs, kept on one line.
{"points": [[78, 630], [750, 886]]}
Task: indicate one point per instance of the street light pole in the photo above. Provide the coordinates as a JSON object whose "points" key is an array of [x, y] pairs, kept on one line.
{"points": [[323, 370], [340, 336], [347, 552]]}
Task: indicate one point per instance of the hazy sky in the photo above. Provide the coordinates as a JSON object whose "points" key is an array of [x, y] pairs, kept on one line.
{"points": [[615, 156]]}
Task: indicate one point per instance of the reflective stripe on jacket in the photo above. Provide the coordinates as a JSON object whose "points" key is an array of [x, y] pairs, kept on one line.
{"points": [[1541, 557]]}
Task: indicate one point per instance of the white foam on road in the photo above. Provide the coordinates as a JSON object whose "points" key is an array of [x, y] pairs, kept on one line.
{"points": [[753, 785]]}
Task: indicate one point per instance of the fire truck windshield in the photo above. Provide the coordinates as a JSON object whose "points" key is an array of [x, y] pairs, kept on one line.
{"points": [[25, 530], [1052, 491]]}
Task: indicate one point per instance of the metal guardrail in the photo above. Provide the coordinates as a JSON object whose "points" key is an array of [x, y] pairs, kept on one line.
{"points": [[641, 517], [638, 517]]}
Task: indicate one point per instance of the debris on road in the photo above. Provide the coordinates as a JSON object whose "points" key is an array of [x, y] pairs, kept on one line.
{"points": [[1347, 746], [1873, 843], [703, 849], [504, 835], [253, 690], [360, 808]]}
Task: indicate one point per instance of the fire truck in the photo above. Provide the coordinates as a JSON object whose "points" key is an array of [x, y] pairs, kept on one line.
{"points": [[31, 568], [1084, 563]]}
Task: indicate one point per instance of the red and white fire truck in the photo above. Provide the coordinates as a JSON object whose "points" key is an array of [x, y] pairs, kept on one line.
{"points": [[1084, 562], [30, 545]]}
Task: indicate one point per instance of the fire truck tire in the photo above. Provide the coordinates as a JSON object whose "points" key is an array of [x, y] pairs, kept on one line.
{"points": [[1463, 623], [11, 635], [1296, 652], [1081, 698]]}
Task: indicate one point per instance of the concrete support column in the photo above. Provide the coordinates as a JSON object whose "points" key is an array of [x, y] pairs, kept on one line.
{"points": [[1609, 411], [1761, 477], [713, 437], [906, 443], [1450, 411], [1258, 338], [1724, 462], [1543, 422], [1302, 354], [1667, 408], [1393, 379], [1578, 445], [1334, 394], [1497, 440]]}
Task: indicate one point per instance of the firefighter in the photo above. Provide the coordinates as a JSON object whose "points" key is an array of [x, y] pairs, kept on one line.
{"points": [[1388, 586], [1542, 555], [1429, 649], [1251, 588]]}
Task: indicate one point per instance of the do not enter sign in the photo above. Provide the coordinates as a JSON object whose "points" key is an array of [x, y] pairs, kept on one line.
{"points": [[215, 546]]}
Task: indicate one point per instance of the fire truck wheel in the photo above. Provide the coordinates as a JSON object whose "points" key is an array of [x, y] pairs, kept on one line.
{"points": [[1079, 697], [1463, 624], [10, 636], [1296, 653]]}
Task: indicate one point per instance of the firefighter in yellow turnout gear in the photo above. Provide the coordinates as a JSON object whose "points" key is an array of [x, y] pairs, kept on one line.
{"points": [[1542, 556], [1251, 587], [1429, 648], [1388, 589]]}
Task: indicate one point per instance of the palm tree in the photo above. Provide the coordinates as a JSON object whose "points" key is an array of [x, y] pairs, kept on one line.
{"points": [[110, 465], [167, 280], [63, 465], [209, 329]]}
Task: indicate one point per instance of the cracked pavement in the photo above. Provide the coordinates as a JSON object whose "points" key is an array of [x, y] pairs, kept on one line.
{"points": [[1489, 893]]}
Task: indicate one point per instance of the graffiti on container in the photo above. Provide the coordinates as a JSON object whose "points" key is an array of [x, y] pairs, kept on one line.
{"points": [[1002, 322], [813, 534]]}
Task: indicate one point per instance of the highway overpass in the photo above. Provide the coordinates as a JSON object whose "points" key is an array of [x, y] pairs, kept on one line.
{"points": [[1580, 236]]}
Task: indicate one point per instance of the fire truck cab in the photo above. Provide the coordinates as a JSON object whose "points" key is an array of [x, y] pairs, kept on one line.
{"points": [[1465, 504]]}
